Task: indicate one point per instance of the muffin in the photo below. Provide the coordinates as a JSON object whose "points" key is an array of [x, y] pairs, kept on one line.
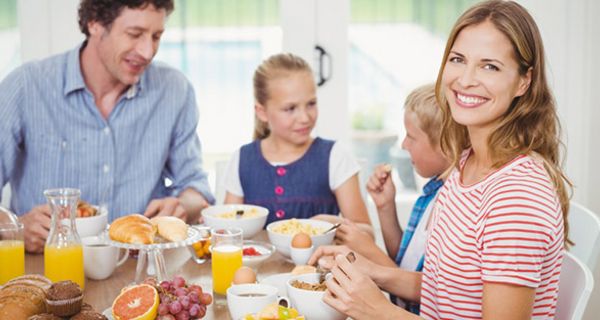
{"points": [[44, 316], [89, 315], [64, 298]]}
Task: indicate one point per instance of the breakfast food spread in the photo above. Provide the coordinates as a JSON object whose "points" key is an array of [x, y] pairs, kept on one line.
{"points": [[308, 286], [64, 298], [170, 228], [138, 229], [302, 269], [301, 240], [275, 312], [294, 226], [34, 297], [85, 210], [23, 297], [134, 228], [136, 302], [168, 300], [243, 214], [244, 275]]}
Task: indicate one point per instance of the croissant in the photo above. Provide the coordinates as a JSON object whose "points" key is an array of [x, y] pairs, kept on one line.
{"points": [[134, 228], [170, 228]]}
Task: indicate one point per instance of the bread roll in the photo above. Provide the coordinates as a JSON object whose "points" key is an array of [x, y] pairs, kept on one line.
{"points": [[302, 269], [170, 228], [134, 228], [23, 297]]}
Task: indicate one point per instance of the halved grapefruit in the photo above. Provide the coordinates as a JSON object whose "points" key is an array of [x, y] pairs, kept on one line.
{"points": [[138, 302]]}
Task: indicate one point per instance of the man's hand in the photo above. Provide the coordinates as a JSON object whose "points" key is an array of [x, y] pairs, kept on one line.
{"points": [[169, 206], [36, 228]]}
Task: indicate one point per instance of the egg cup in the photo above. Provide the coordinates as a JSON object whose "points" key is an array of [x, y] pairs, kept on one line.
{"points": [[300, 256]]}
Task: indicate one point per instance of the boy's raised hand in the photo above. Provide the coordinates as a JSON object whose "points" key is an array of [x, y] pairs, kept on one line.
{"points": [[380, 186]]}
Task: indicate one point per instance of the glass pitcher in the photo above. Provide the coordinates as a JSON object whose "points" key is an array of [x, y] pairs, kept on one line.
{"points": [[12, 248], [63, 253]]}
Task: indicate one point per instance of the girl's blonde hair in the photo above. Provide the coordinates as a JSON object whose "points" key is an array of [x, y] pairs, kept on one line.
{"points": [[275, 66], [422, 103], [530, 125]]}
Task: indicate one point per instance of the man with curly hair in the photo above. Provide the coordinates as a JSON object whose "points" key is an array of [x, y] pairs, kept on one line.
{"points": [[105, 119]]}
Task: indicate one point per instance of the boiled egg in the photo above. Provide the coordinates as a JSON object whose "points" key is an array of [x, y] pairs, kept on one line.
{"points": [[244, 275], [301, 240]]}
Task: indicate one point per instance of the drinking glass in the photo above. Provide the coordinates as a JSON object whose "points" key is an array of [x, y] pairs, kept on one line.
{"points": [[12, 251], [226, 258]]}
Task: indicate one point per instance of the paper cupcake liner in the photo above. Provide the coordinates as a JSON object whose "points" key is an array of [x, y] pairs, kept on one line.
{"points": [[65, 307]]}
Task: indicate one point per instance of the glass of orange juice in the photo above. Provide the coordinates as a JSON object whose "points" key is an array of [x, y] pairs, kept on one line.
{"points": [[12, 251], [226, 257]]}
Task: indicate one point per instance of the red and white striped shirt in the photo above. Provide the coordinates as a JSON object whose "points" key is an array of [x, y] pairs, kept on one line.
{"points": [[507, 228]]}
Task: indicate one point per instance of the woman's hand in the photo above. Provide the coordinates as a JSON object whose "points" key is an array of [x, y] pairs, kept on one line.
{"points": [[353, 293], [380, 186], [324, 256]]}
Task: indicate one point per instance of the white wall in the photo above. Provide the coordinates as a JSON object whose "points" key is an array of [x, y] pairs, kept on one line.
{"points": [[571, 34], [47, 27]]}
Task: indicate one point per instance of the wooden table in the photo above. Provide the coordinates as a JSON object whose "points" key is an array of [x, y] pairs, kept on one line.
{"points": [[100, 294]]}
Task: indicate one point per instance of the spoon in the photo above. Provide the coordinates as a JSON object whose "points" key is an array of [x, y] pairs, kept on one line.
{"points": [[335, 226], [239, 214]]}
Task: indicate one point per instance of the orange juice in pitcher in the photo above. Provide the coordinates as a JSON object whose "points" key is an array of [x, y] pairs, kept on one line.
{"points": [[64, 263], [63, 253]]}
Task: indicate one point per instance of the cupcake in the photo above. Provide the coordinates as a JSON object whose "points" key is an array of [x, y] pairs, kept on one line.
{"points": [[64, 298], [89, 315], [44, 316]]}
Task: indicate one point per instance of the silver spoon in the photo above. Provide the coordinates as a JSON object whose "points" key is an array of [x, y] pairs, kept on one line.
{"points": [[335, 226]]}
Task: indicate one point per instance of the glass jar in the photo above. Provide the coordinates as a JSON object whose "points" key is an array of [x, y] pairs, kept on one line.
{"points": [[12, 247], [63, 253]]}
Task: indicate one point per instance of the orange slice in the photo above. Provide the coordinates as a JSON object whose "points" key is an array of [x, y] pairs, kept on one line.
{"points": [[139, 302]]}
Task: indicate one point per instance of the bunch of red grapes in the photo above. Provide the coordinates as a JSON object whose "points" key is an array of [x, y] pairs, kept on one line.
{"points": [[178, 301]]}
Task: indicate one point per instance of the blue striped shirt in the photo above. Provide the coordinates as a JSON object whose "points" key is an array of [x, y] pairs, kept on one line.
{"points": [[53, 135], [429, 191]]}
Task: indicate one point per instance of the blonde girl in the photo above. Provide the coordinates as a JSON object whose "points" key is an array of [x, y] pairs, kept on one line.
{"points": [[285, 169]]}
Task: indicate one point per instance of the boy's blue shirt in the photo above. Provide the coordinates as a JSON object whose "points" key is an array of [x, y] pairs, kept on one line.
{"points": [[429, 192]]}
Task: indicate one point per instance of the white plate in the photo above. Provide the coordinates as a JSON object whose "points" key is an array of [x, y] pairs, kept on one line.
{"points": [[278, 280], [108, 313]]}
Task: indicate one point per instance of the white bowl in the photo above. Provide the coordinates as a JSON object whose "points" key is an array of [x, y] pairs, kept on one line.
{"points": [[265, 250], [310, 303], [282, 241], [90, 226], [278, 280], [250, 226]]}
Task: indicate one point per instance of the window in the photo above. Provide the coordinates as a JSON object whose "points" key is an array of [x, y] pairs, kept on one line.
{"points": [[395, 46], [9, 37], [218, 45]]}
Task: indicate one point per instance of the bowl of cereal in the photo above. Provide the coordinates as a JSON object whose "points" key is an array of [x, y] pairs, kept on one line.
{"points": [[281, 233], [306, 294], [251, 219]]}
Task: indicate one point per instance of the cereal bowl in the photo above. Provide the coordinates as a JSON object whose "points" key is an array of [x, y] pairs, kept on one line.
{"points": [[281, 233], [309, 302], [251, 220]]}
